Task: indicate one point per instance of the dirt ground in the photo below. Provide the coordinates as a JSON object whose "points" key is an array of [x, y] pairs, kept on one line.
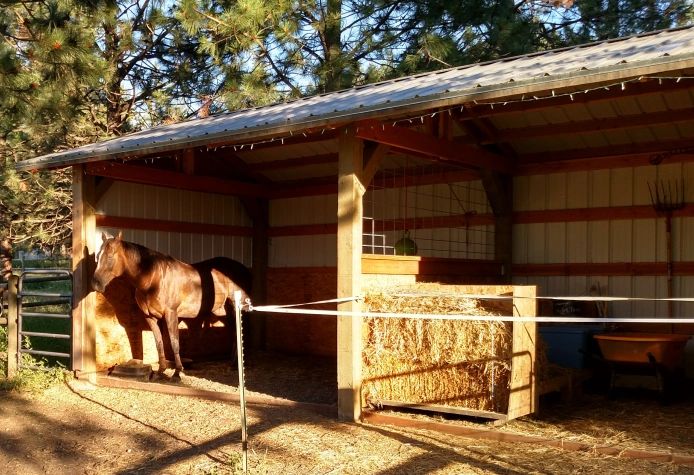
{"points": [[77, 428]]}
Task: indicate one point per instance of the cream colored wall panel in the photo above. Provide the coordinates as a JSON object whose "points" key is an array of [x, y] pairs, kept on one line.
{"points": [[302, 251], [577, 241], [599, 188], [537, 192], [621, 287], [685, 289], [520, 243], [556, 242], [557, 286], [643, 176], [660, 240], [621, 187], [303, 210], [556, 191], [577, 190], [577, 285], [521, 193], [684, 239], [643, 287], [621, 241], [536, 243], [598, 241], [644, 231]]}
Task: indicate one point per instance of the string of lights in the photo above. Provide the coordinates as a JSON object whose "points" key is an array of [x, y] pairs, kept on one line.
{"points": [[621, 85]]}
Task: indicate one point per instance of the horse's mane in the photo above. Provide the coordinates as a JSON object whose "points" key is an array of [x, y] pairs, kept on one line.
{"points": [[144, 257]]}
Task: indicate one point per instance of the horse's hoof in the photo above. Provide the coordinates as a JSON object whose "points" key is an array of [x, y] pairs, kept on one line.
{"points": [[176, 378], [157, 376]]}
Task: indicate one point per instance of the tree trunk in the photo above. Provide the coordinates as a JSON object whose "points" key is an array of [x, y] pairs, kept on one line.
{"points": [[5, 259], [333, 46]]}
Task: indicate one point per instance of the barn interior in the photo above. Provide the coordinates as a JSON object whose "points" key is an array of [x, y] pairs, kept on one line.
{"points": [[568, 170]]}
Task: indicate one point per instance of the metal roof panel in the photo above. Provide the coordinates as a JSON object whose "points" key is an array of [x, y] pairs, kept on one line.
{"points": [[422, 90]]}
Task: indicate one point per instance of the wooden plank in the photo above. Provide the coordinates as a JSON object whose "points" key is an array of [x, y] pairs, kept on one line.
{"points": [[170, 179], [12, 330], [524, 395], [296, 162], [417, 265], [411, 141], [146, 224], [349, 245], [460, 411], [83, 263], [122, 383]]}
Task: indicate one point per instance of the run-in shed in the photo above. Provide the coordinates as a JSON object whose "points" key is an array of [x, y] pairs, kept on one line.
{"points": [[531, 170]]}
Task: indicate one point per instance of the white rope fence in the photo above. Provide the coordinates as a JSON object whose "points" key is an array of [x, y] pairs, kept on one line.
{"points": [[292, 309]]}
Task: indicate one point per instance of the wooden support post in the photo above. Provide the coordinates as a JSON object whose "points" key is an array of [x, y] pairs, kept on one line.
{"points": [[524, 396], [12, 319], [349, 249], [499, 189], [83, 264], [261, 218]]}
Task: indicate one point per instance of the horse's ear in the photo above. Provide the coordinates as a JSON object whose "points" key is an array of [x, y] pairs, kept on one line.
{"points": [[104, 237], [120, 236]]}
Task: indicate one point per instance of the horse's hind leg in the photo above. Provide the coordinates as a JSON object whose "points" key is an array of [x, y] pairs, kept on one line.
{"points": [[172, 324], [158, 340]]}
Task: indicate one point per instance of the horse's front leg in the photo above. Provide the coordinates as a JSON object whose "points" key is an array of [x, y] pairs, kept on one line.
{"points": [[158, 340], [171, 318]]}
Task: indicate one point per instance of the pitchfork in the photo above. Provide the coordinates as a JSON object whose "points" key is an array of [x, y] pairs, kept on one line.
{"points": [[667, 198]]}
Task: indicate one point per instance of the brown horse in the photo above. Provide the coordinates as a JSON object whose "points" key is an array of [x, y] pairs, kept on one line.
{"points": [[166, 288]]}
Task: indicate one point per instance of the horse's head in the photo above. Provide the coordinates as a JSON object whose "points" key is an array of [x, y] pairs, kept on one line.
{"points": [[110, 262]]}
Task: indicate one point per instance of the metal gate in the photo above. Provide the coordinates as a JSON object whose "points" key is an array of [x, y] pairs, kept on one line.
{"points": [[44, 318]]}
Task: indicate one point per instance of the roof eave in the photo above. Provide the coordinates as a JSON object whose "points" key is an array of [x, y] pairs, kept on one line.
{"points": [[494, 92]]}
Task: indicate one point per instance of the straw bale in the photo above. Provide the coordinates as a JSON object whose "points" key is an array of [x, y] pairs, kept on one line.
{"points": [[439, 362]]}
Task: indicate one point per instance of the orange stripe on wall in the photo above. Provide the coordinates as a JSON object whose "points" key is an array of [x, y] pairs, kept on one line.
{"points": [[146, 224], [607, 268]]}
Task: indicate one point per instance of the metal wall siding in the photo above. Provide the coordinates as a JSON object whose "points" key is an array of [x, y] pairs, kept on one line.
{"points": [[141, 201], [615, 241]]}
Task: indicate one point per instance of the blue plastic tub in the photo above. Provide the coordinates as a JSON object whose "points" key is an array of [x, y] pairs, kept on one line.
{"points": [[570, 345]]}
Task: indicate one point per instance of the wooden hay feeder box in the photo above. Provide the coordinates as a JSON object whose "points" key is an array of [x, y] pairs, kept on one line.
{"points": [[481, 369]]}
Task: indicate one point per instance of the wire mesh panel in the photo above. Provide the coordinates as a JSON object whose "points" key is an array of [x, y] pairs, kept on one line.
{"points": [[415, 209]]}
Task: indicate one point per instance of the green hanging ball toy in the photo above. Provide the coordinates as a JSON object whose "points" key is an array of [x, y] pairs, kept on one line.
{"points": [[406, 246]]}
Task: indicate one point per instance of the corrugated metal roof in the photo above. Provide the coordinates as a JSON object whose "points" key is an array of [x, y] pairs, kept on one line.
{"points": [[661, 51]]}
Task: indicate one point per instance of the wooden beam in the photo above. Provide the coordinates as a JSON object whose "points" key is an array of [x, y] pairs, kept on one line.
{"points": [[537, 161], [436, 148], [499, 190], [588, 126], [373, 157], [296, 162], [188, 161], [315, 187], [149, 224], [84, 247], [349, 245], [524, 395], [169, 179]]}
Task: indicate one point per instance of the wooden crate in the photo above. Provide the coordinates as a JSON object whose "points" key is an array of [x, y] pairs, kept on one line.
{"points": [[522, 381]]}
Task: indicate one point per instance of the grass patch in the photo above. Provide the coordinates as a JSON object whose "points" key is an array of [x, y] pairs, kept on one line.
{"points": [[28, 380]]}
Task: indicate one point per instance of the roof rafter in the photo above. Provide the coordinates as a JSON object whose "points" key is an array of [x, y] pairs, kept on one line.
{"points": [[422, 144]]}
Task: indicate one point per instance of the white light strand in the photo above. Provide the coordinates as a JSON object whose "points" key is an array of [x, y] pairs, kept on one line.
{"points": [[492, 104]]}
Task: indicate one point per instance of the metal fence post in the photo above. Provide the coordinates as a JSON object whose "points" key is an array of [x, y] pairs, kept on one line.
{"points": [[12, 317]]}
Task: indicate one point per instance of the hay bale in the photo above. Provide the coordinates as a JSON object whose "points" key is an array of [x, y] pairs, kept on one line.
{"points": [[439, 362]]}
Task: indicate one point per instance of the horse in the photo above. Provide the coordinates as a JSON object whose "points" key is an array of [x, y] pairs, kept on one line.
{"points": [[166, 288]]}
